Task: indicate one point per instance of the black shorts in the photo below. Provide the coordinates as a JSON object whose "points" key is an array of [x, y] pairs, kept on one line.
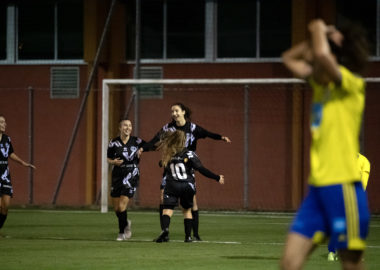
{"points": [[182, 191], [6, 187], [125, 185], [163, 184]]}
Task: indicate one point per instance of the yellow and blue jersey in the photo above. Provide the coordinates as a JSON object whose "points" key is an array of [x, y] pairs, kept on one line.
{"points": [[335, 125], [364, 169]]}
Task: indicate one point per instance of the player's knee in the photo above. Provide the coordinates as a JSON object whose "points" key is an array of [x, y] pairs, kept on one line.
{"points": [[290, 263]]}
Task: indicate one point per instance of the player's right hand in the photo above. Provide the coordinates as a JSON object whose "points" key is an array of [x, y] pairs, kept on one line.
{"points": [[118, 161]]}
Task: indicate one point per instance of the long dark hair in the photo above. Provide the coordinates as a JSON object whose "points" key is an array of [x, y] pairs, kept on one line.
{"points": [[184, 108], [355, 48]]}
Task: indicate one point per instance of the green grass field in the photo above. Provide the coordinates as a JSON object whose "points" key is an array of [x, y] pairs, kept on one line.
{"points": [[46, 239]]}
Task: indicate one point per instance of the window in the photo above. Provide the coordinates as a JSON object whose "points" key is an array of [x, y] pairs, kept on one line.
{"points": [[236, 28], [275, 27], [41, 30], [3, 31], [210, 29], [186, 29], [36, 30], [152, 27], [70, 29], [165, 29]]}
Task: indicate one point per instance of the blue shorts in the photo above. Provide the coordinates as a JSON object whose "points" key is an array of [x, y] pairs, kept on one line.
{"points": [[339, 211]]}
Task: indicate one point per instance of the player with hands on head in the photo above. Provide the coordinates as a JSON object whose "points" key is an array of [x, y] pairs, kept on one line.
{"points": [[122, 153], [336, 204], [181, 120], [6, 188], [179, 164]]}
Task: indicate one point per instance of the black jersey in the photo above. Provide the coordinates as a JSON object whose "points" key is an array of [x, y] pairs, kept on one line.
{"points": [[193, 133], [181, 168], [6, 149], [127, 152]]}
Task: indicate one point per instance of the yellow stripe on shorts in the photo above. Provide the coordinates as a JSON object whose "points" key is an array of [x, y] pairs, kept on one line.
{"points": [[354, 242]]}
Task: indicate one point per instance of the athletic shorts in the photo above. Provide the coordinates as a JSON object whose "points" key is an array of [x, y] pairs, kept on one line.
{"points": [[338, 211], [125, 185], [176, 190], [163, 184], [6, 187]]}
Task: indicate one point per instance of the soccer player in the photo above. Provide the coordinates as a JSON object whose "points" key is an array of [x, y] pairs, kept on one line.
{"points": [[122, 153], [181, 121], [179, 164], [364, 168], [6, 152], [336, 204]]}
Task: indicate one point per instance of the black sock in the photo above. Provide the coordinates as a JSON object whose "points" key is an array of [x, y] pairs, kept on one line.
{"points": [[195, 222], [188, 222], [165, 222], [161, 209], [122, 218], [2, 220]]}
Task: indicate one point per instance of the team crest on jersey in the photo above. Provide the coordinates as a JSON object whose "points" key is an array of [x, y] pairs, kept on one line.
{"points": [[133, 148], [185, 160]]}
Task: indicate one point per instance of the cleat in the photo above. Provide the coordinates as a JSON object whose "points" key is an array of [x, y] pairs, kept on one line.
{"points": [[163, 237], [121, 237], [332, 257], [128, 230], [197, 238], [188, 239]]}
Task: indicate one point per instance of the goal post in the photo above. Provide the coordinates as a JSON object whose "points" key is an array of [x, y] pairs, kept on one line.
{"points": [[247, 83]]}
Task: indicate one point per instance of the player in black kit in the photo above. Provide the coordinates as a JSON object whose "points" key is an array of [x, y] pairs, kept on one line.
{"points": [[122, 153], [181, 121], [179, 164], [6, 189]]}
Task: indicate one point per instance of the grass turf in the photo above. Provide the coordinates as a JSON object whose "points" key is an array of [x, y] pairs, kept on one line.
{"points": [[46, 239]]}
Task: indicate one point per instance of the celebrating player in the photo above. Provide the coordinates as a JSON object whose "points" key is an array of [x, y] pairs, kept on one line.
{"points": [[122, 153], [181, 121], [336, 204], [179, 164], [6, 189]]}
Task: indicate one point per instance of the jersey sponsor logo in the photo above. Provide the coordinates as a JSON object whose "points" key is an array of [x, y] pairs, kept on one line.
{"points": [[316, 115], [5, 150]]}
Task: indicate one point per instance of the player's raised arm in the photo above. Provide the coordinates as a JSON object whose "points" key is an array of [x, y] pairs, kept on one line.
{"points": [[298, 60]]}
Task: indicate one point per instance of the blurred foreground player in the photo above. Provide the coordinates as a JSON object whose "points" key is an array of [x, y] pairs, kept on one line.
{"points": [[336, 204]]}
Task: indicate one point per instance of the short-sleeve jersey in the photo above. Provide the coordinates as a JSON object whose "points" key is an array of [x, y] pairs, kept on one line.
{"points": [[193, 133], [364, 169], [181, 167], [335, 124], [127, 152], [6, 149]]}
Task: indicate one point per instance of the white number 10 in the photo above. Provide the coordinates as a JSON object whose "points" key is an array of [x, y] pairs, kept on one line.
{"points": [[178, 171]]}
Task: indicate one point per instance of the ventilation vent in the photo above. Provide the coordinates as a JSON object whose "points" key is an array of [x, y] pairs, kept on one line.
{"points": [[152, 90], [64, 82]]}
